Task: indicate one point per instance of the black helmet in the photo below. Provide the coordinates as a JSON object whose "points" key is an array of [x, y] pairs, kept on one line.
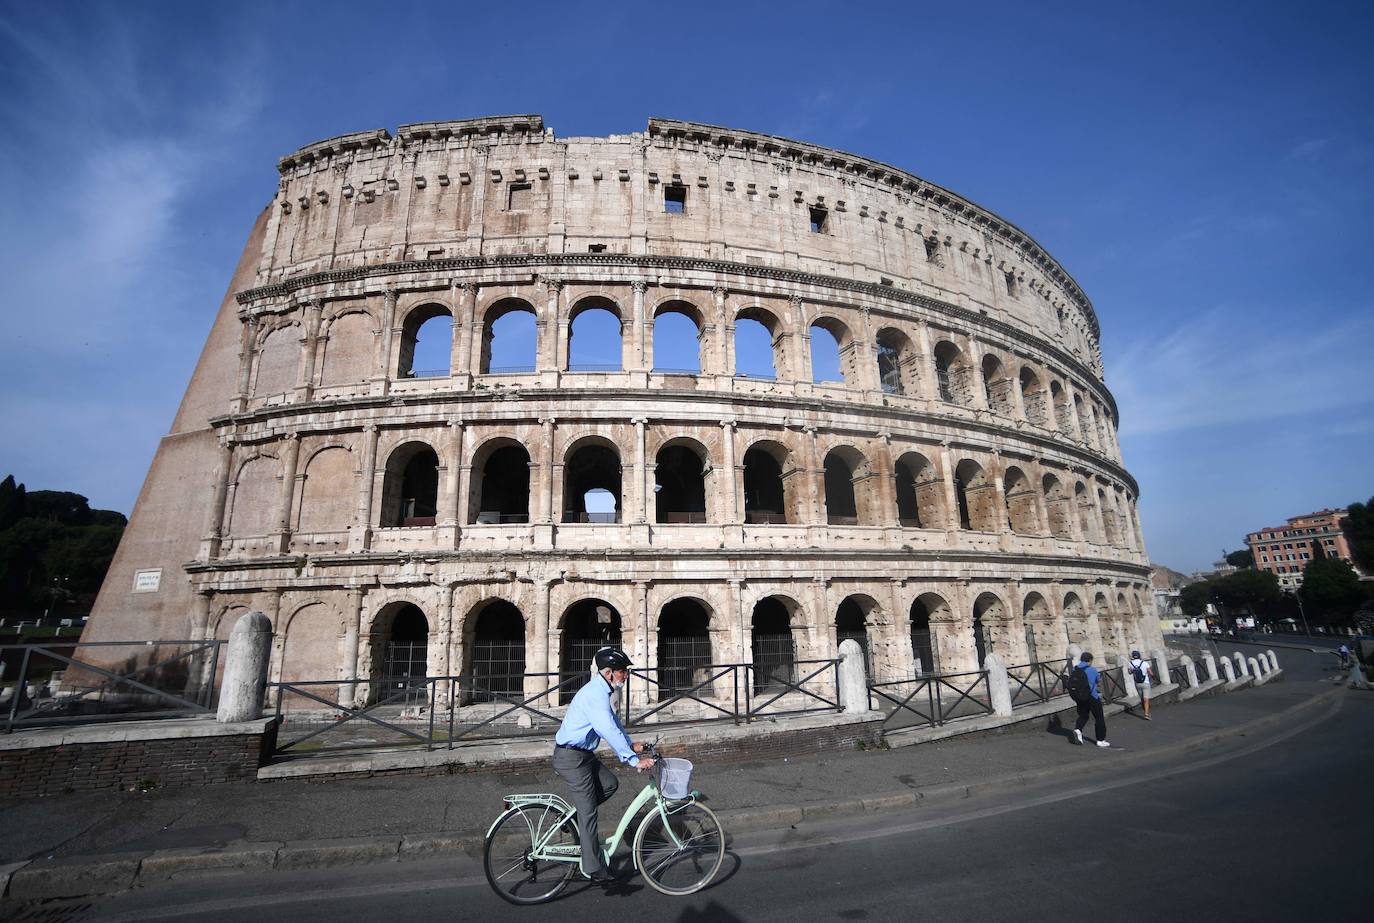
{"points": [[612, 657]]}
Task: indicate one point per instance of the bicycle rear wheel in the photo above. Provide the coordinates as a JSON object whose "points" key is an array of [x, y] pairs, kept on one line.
{"points": [[679, 851], [513, 871]]}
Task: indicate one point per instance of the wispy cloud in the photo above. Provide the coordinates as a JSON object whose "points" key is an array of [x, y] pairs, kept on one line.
{"points": [[1223, 367], [1308, 149]]}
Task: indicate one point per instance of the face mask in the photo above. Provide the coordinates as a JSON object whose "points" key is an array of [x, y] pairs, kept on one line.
{"points": [[619, 685]]}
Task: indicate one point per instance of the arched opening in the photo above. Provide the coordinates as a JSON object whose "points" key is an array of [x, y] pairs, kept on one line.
{"points": [[1022, 513], [1083, 500], [775, 651], [496, 652], [1060, 399], [1075, 630], [278, 359], [1085, 429], [951, 374], [679, 484], [501, 490], [594, 337], [764, 494], [426, 343], [1057, 507], [1035, 613], [684, 648], [841, 508], [591, 473], [830, 346], [894, 362], [509, 338], [328, 493], [410, 488], [253, 498], [924, 642], [677, 339], [988, 618], [405, 660], [977, 498], [1109, 530], [1033, 397], [996, 386], [755, 336], [588, 626], [851, 624], [346, 349], [918, 492]]}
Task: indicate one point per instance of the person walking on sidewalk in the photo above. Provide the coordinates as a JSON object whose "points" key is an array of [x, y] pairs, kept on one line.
{"points": [[590, 719], [1144, 676], [1085, 694]]}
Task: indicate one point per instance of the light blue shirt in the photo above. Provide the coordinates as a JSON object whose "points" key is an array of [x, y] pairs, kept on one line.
{"points": [[590, 718]]}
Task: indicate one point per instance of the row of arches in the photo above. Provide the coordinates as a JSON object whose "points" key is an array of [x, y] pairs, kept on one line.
{"points": [[775, 485], [690, 640], [680, 339]]}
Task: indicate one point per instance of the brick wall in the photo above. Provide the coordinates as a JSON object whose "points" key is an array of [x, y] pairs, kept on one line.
{"points": [[85, 767]]}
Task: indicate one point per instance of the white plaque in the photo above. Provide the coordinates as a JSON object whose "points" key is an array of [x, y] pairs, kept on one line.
{"points": [[147, 581]]}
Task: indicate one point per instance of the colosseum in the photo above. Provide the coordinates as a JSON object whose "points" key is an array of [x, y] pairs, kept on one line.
{"points": [[956, 489]]}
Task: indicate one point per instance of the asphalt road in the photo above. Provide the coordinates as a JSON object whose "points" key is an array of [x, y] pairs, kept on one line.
{"points": [[1260, 828]]}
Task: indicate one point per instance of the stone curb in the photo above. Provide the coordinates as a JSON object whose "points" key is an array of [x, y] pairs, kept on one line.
{"points": [[99, 874]]}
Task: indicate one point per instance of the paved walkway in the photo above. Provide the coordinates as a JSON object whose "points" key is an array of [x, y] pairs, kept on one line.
{"points": [[458, 808]]}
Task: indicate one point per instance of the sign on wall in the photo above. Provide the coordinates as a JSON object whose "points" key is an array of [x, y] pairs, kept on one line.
{"points": [[147, 581]]}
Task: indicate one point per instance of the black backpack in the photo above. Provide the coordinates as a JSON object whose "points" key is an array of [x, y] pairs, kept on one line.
{"points": [[1138, 671], [1080, 690]]}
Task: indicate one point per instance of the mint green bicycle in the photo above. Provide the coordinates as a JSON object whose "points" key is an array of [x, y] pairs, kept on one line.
{"points": [[532, 850]]}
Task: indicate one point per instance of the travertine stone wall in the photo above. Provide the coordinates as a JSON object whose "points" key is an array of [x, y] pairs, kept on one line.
{"points": [[973, 428]]}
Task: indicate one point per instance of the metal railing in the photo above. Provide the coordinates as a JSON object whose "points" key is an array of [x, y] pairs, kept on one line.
{"points": [[931, 700], [595, 367], [509, 370], [94, 681], [441, 712], [1038, 682]]}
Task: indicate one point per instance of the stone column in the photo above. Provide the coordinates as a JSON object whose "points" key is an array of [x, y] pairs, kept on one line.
{"points": [[549, 348], [642, 489], [442, 638], [348, 666], [927, 384], [642, 692], [639, 354], [381, 372], [725, 332], [951, 497], [853, 679], [450, 508], [729, 488], [461, 364], [1161, 665], [282, 539], [887, 483], [801, 355], [248, 340], [537, 660], [367, 477], [214, 526], [999, 684], [245, 669], [814, 478]]}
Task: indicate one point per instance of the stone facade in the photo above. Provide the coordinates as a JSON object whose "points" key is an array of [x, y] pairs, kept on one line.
{"points": [[1285, 550], [960, 491]]}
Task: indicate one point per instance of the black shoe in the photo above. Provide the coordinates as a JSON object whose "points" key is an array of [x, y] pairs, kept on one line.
{"points": [[603, 877]]}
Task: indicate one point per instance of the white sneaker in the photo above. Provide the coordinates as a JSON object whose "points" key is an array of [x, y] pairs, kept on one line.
{"points": [[1077, 736], [1103, 743]]}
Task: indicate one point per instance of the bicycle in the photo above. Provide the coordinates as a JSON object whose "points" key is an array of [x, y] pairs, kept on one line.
{"points": [[532, 851]]}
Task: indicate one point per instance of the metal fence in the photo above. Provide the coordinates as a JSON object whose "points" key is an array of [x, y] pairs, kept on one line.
{"points": [[1039, 681], [328, 716], [931, 700], [83, 682]]}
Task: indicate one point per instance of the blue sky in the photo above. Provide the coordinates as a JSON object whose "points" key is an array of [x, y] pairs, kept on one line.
{"points": [[1203, 170]]}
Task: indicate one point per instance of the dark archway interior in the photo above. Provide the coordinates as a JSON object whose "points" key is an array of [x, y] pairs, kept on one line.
{"points": [[591, 467], [889, 366], [419, 500], [775, 653], [961, 495], [840, 508], [980, 639], [684, 648], [922, 640], [849, 626], [506, 486], [680, 488], [588, 626], [406, 659], [763, 492], [498, 652], [908, 510]]}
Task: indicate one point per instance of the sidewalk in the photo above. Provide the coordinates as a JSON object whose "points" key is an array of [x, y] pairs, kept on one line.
{"points": [[101, 841]]}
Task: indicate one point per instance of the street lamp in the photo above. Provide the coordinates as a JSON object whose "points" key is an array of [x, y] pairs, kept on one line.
{"points": [[1298, 597]]}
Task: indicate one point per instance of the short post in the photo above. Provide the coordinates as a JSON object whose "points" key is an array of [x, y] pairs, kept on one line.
{"points": [[1357, 679], [853, 678], [1241, 668], [1254, 669], [245, 669], [1189, 671], [1228, 671], [1273, 661], [1209, 665], [1075, 651], [1127, 680], [999, 687], [1161, 665]]}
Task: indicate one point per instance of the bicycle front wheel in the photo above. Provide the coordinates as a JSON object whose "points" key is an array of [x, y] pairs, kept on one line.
{"points": [[514, 871], [679, 851]]}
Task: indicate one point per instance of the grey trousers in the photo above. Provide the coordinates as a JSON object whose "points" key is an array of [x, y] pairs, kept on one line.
{"points": [[592, 784]]}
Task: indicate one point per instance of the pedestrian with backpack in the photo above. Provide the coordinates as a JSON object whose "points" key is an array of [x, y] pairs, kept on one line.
{"points": [[1144, 677], [1084, 692]]}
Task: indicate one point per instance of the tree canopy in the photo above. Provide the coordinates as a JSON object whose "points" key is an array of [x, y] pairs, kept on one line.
{"points": [[1245, 558], [1360, 528], [1253, 591], [1331, 591]]}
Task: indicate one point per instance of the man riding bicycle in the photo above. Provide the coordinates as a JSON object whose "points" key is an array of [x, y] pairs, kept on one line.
{"points": [[589, 719]]}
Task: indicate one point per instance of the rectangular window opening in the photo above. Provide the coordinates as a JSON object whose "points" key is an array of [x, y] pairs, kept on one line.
{"points": [[596, 248], [1011, 282], [674, 199], [518, 197], [818, 216], [932, 250]]}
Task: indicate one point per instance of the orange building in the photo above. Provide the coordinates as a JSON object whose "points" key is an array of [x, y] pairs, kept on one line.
{"points": [[1285, 550]]}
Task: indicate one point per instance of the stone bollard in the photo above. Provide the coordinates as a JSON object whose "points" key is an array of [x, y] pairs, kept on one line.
{"points": [[1357, 680], [1189, 671], [1075, 651], [1241, 669], [1254, 669], [853, 678], [1209, 666], [1161, 665], [245, 669], [1127, 680], [999, 686], [1227, 671], [1273, 661], [1261, 664]]}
